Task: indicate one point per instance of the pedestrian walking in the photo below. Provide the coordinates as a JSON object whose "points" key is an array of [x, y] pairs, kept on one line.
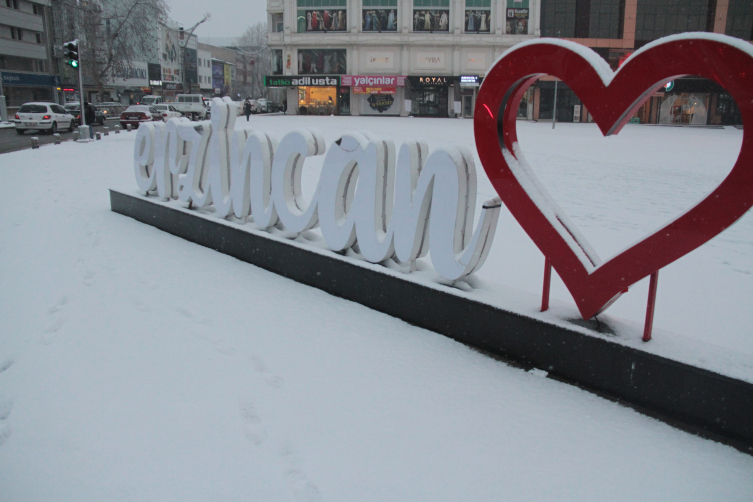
{"points": [[247, 108]]}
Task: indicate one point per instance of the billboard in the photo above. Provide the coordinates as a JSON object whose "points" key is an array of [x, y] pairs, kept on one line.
{"points": [[170, 56]]}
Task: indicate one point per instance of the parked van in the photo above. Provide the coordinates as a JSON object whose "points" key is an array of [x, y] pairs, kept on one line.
{"points": [[151, 100], [190, 105]]}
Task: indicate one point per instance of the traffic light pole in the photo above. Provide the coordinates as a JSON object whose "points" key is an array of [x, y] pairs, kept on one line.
{"points": [[80, 87]]}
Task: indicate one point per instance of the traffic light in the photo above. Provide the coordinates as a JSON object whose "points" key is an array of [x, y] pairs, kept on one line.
{"points": [[70, 50]]}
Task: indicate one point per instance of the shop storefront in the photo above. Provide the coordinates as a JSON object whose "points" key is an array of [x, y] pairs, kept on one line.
{"points": [[469, 85], [313, 95], [375, 95], [430, 96], [20, 88]]}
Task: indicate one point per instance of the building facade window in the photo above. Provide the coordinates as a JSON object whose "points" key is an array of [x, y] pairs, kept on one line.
{"points": [[324, 61], [478, 16], [516, 17], [379, 15], [276, 61], [740, 19], [277, 22], [39, 38], [322, 15], [605, 19], [431, 15], [659, 18], [558, 18]]}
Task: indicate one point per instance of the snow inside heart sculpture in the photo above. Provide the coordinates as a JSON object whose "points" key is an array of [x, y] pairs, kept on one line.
{"points": [[611, 98], [385, 203]]}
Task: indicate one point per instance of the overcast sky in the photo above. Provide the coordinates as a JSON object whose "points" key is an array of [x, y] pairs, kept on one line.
{"points": [[230, 18]]}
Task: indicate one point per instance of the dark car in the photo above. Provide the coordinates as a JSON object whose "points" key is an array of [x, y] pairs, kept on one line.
{"points": [[75, 110], [135, 115]]}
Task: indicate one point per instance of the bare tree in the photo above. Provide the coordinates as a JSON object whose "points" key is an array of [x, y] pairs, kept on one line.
{"points": [[112, 34], [254, 60]]}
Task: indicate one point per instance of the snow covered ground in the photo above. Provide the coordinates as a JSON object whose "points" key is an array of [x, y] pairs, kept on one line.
{"points": [[137, 366]]}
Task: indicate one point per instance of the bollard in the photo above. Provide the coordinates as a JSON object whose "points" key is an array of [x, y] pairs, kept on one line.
{"points": [[75, 135], [99, 136], [85, 133], [57, 138], [117, 129], [34, 142], [107, 132], [128, 126]]}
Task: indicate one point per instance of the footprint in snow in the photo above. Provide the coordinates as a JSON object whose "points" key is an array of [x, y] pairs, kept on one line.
{"points": [[270, 378], [302, 487], [252, 427], [5, 365], [5, 430]]}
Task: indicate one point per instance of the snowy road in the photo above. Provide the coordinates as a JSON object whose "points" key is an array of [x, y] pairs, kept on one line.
{"points": [[137, 366]]}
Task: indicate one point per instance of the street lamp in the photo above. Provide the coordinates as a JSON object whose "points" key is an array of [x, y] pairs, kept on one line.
{"points": [[183, 41]]}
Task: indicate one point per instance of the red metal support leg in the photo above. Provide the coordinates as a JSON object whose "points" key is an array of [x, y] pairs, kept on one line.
{"points": [[650, 307], [547, 283]]}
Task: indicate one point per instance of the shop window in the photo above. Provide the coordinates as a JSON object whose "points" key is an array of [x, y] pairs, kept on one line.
{"points": [[566, 102], [516, 17], [276, 61], [317, 100], [324, 61], [379, 15], [684, 108], [478, 16], [740, 19], [659, 18], [277, 22], [322, 15], [431, 15]]}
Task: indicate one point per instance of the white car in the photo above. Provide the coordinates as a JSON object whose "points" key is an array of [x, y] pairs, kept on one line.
{"points": [[43, 116], [167, 111]]}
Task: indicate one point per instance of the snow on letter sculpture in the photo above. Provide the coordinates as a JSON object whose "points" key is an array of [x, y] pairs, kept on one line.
{"points": [[400, 198]]}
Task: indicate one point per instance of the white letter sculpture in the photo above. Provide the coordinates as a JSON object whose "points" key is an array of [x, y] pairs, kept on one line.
{"points": [[382, 205]]}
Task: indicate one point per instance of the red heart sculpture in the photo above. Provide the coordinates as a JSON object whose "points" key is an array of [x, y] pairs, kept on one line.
{"points": [[611, 98]]}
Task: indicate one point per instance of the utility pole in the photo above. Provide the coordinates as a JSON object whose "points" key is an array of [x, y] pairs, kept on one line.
{"points": [[3, 108], [183, 42], [554, 108]]}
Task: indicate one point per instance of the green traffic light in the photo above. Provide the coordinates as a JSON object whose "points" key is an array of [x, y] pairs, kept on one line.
{"points": [[73, 63]]}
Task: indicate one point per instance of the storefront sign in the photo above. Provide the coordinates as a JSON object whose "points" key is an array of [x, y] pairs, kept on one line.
{"points": [[430, 81], [379, 89], [134, 75], [172, 86], [468, 80], [383, 84], [611, 98], [293, 81], [432, 209], [30, 79], [155, 83], [380, 103]]}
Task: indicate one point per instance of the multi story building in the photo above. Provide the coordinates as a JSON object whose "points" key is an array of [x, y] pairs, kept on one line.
{"points": [[26, 53], [391, 57], [205, 73], [427, 57], [616, 28]]}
